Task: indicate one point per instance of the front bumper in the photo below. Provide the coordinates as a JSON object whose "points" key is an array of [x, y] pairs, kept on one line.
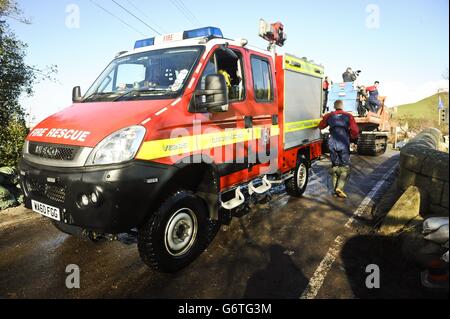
{"points": [[125, 193]]}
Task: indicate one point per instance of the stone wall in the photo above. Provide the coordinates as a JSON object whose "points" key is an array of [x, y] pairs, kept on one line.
{"points": [[424, 166]]}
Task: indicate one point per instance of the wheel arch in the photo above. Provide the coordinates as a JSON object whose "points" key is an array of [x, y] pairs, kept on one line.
{"points": [[304, 153], [199, 176]]}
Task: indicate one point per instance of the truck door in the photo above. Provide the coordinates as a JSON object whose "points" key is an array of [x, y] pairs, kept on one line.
{"points": [[263, 110], [224, 135]]}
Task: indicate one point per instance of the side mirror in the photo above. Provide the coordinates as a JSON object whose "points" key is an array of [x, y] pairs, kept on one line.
{"points": [[214, 98], [76, 94]]}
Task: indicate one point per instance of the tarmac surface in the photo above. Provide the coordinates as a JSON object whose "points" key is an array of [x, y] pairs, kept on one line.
{"points": [[312, 247]]}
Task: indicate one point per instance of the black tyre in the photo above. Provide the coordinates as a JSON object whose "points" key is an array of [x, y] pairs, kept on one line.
{"points": [[175, 234], [296, 186]]}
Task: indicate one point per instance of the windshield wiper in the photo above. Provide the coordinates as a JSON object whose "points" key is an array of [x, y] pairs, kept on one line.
{"points": [[95, 95], [138, 93]]}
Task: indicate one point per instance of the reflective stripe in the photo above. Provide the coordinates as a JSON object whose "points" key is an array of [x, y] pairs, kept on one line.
{"points": [[213, 140], [168, 147], [188, 144], [275, 130], [302, 66], [301, 125]]}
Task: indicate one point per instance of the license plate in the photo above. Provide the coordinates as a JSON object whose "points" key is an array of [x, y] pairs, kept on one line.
{"points": [[46, 210]]}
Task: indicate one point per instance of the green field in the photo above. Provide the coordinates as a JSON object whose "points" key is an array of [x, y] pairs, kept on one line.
{"points": [[426, 109]]}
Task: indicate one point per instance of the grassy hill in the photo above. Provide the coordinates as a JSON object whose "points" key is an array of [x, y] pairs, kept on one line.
{"points": [[426, 109]]}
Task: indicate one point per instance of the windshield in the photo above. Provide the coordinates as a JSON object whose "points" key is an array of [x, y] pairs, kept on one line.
{"points": [[159, 73]]}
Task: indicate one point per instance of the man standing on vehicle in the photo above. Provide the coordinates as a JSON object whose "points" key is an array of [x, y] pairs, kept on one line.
{"points": [[343, 129], [374, 102], [349, 76]]}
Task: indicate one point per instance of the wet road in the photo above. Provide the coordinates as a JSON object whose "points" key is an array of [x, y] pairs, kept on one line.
{"points": [[272, 252]]}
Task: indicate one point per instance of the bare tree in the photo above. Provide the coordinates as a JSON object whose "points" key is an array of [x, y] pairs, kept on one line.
{"points": [[10, 9]]}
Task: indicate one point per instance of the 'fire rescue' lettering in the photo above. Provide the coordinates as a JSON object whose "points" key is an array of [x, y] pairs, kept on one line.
{"points": [[59, 133]]}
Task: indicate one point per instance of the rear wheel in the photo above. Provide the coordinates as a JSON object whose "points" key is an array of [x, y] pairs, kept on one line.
{"points": [[296, 186], [175, 234]]}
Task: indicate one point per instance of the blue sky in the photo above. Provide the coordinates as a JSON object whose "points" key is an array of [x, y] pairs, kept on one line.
{"points": [[407, 52]]}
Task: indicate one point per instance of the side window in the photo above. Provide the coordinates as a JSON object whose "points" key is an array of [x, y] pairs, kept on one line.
{"points": [[209, 69], [230, 66], [107, 85], [262, 79]]}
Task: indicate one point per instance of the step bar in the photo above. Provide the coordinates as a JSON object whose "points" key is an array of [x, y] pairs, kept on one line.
{"points": [[239, 198], [237, 201], [265, 187]]}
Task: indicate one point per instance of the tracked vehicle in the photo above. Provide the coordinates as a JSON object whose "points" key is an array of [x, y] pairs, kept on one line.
{"points": [[374, 126]]}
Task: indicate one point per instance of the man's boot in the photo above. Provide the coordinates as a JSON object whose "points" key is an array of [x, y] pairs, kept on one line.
{"points": [[344, 174], [334, 177]]}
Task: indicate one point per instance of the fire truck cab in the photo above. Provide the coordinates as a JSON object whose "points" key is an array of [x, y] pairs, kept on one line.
{"points": [[173, 136]]}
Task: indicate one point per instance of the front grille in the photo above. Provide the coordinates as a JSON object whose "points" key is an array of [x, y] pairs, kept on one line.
{"points": [[53, 192], [54, 152]]}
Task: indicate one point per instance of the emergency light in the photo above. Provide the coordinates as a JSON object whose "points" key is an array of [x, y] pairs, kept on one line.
{"points": [[144, 43], [209, 32]]}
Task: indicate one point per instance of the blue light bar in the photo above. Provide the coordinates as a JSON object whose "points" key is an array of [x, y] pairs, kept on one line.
{"points": [[144, 43], [210, 32]]}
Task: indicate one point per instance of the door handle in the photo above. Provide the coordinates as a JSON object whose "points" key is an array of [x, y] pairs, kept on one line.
{"points": [[275, 119], [248, 121]]}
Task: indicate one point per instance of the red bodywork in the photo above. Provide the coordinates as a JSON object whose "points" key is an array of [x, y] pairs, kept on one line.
{"points": [[161, 117]]}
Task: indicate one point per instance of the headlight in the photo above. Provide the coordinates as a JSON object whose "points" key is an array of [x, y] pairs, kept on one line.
{"points": [[119, 147]]}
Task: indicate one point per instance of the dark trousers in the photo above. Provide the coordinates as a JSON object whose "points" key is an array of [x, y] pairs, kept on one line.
{"points": [[340, 158], [339, 151], [340, 171], [374, 104]]}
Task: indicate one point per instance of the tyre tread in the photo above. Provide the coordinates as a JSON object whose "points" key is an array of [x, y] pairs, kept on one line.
{"points": [[146, 243]]}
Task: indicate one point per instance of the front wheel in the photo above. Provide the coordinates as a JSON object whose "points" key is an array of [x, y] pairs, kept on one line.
{"points": [[296, 186], [175, 234]]}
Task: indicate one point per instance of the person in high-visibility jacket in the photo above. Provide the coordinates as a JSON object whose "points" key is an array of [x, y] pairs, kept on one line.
{"points": [[343, 130], [227, 77]]}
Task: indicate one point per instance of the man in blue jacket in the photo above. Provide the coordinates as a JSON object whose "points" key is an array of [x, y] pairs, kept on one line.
{"points": [[343, 129]]}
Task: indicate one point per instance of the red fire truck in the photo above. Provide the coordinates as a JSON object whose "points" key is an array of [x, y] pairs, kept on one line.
{"points": [[173, 136]]}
